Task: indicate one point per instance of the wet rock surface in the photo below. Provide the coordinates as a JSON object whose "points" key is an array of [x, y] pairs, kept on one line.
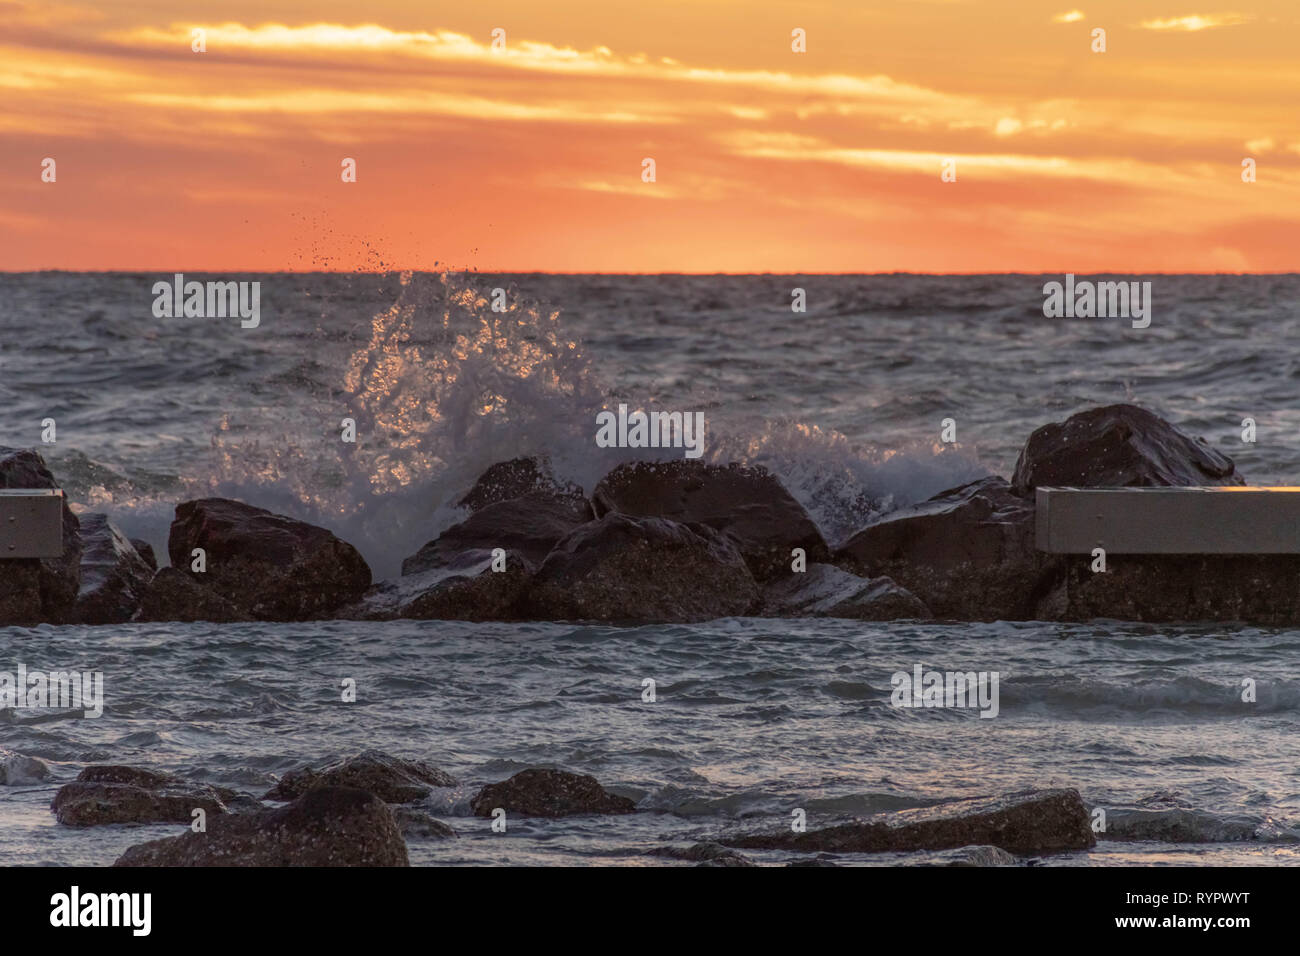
{"points": [[174, 595], [549, 793], [114, 576], [967, 553], [326, 826], [827, 591], [748, 503], [90, 803], [521, 478], [273, 567], [391, 779], [522, 527], [622, 568], [1027, 822], [1118, 446]]}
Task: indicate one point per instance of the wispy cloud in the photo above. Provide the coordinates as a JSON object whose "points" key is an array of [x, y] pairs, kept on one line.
{"points": [[1073, 16], [1196, 21]]}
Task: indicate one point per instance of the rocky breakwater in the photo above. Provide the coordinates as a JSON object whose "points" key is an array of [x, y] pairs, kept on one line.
{"points": [[677, 541], [969, 554]]}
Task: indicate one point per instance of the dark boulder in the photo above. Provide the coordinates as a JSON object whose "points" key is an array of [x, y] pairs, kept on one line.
{"points": [[327, 826], [1029, 822], [88, 804], [549, 793], [827, 591], [967, 553], [174, 595], [1119, 446], [529, 527], [38, 590], [521, 478], [114, 576], [749, 503], [626, 569], [276, 568], [391, 779]]}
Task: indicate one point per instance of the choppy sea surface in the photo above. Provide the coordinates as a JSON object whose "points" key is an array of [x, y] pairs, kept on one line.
{"points": [[753, 718]]}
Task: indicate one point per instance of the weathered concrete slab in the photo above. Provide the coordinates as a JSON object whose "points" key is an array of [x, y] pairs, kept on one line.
{"points": [[1227, 519], [31, 523]]}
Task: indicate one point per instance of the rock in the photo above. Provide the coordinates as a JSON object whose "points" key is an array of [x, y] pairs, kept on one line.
{"points": [[704, 854], [418, 824], [327, 826], [972, 856], [626, 569], [523, 527], [135, 776], [521, 478], [967, 553], [469, 592], [391, 779], [17, 770], [827, 591], [145, 550], [1118, 446], [114, 576], [549, 793], [1029, 822], [1165, 588], [275, 568], [174, 595], [82, 804], [747, 502], [1179, 825], [38, 590]]}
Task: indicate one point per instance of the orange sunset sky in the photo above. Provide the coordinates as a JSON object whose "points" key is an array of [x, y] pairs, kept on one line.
{"points": [[530, 158]]}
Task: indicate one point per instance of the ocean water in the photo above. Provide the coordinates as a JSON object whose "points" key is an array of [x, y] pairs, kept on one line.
{"points": [[753, 718]]}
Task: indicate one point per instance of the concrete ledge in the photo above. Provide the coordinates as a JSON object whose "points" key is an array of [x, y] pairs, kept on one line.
{"points": [[1229, 519], [31, 523]]}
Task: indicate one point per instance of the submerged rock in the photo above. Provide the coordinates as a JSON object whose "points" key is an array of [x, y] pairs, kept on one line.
{"points": [[970, 856], [704, 854], [119, 773], [827, 591], [275, 568], [327, 826], [38, 590], [1120, 446], [967, 553], [549, 793], [521, 478], [419, 824], [749, 503], [174, 595], [88, 804], [18, 770], [1029, 822], [622, 569], [391, 779], [1179, 825], [114, 576]]}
